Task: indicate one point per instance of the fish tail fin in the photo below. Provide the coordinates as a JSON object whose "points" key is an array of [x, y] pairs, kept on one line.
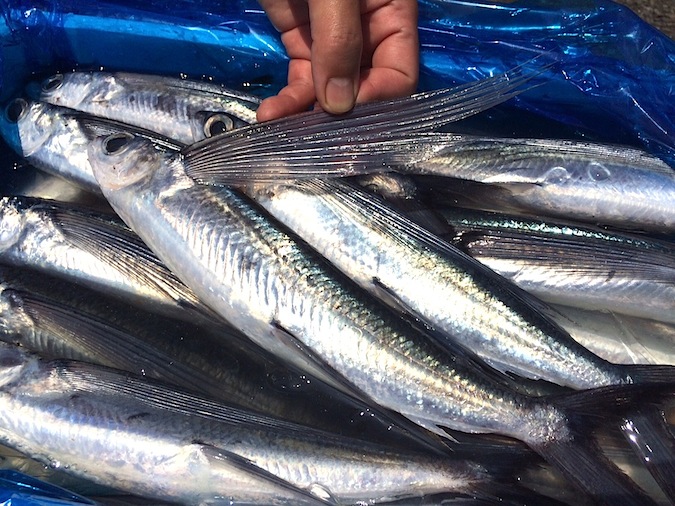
{"points": [[577, 455], [650, 438], [649, 374], [582, 463], [647, 432], [518, 475]]}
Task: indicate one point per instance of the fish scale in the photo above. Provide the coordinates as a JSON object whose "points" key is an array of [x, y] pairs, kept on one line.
{"points": [[391, 256], [552, 414], [179, 446], [364, 342], [234, 238]]}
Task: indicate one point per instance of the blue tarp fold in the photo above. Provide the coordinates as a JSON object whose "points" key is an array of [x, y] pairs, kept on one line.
{"points": [[615, 81]]}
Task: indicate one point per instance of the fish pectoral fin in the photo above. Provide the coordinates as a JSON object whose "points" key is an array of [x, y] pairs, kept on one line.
{"points": [[249, 474], [399, 422], [114, 243], [288, 339], [371, 138], [443, 339]]}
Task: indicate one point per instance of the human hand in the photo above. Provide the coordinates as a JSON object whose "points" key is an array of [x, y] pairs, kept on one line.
{"points": [[342, 52]]}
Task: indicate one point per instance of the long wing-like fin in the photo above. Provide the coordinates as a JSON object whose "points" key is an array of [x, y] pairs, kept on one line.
{"points": [[85, 336], [117, 246], [260, 478], [367, 139], [581, 257], [411, 430]]}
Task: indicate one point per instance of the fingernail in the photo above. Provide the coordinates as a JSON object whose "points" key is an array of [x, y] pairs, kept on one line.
{"points": [[340, 95]]}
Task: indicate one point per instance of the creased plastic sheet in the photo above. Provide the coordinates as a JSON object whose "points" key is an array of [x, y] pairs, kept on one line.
{"points": [[615, 81], [18, 489]]}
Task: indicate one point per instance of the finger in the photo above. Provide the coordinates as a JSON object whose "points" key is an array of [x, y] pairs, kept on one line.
{"points": [[384, 84], [286, 14], [391, 40], [336, 52], [298, 96]]}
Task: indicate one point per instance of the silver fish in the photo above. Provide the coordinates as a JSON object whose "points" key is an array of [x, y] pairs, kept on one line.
{"points": [[100, 252], [570, 264], [450, 324], [50, 138], [145, 438], [55, 139], [613, 185], [597, 183], [618, 338], [60, 320], [187, 111], [401, 262], [95, 250], [257, 277], [175, 108]]}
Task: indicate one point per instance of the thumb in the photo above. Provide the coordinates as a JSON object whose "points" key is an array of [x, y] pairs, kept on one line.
{"points": [[337, 42]]}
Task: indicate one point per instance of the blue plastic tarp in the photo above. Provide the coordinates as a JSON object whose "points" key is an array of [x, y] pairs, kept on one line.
{"points": [[615, 81]]}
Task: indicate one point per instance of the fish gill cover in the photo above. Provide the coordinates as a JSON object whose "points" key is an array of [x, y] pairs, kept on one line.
{"points": [[615, 81]]}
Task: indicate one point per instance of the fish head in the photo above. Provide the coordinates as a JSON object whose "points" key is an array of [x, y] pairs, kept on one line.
{"points": [[26, 125], [237, 109], [65, 90], [121, 160], [12, 220]]}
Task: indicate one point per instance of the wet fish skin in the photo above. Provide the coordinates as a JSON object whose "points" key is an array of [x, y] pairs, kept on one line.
{"points": [[98, 251], [595, 183], [639, 340], [395, 259], [571, 264], [155, 103], [221, 230], [95, 250], [59, 320], [50, 138], [217, 241], [110, 459], [89, 420], [603, 380]]}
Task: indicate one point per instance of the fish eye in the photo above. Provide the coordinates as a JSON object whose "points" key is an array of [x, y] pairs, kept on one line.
{"points": [[116, 143], [52, 83], [15, 110], [218, 124]]}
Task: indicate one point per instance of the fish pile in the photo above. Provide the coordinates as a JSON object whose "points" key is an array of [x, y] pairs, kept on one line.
{"points": [[299, 312]]}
